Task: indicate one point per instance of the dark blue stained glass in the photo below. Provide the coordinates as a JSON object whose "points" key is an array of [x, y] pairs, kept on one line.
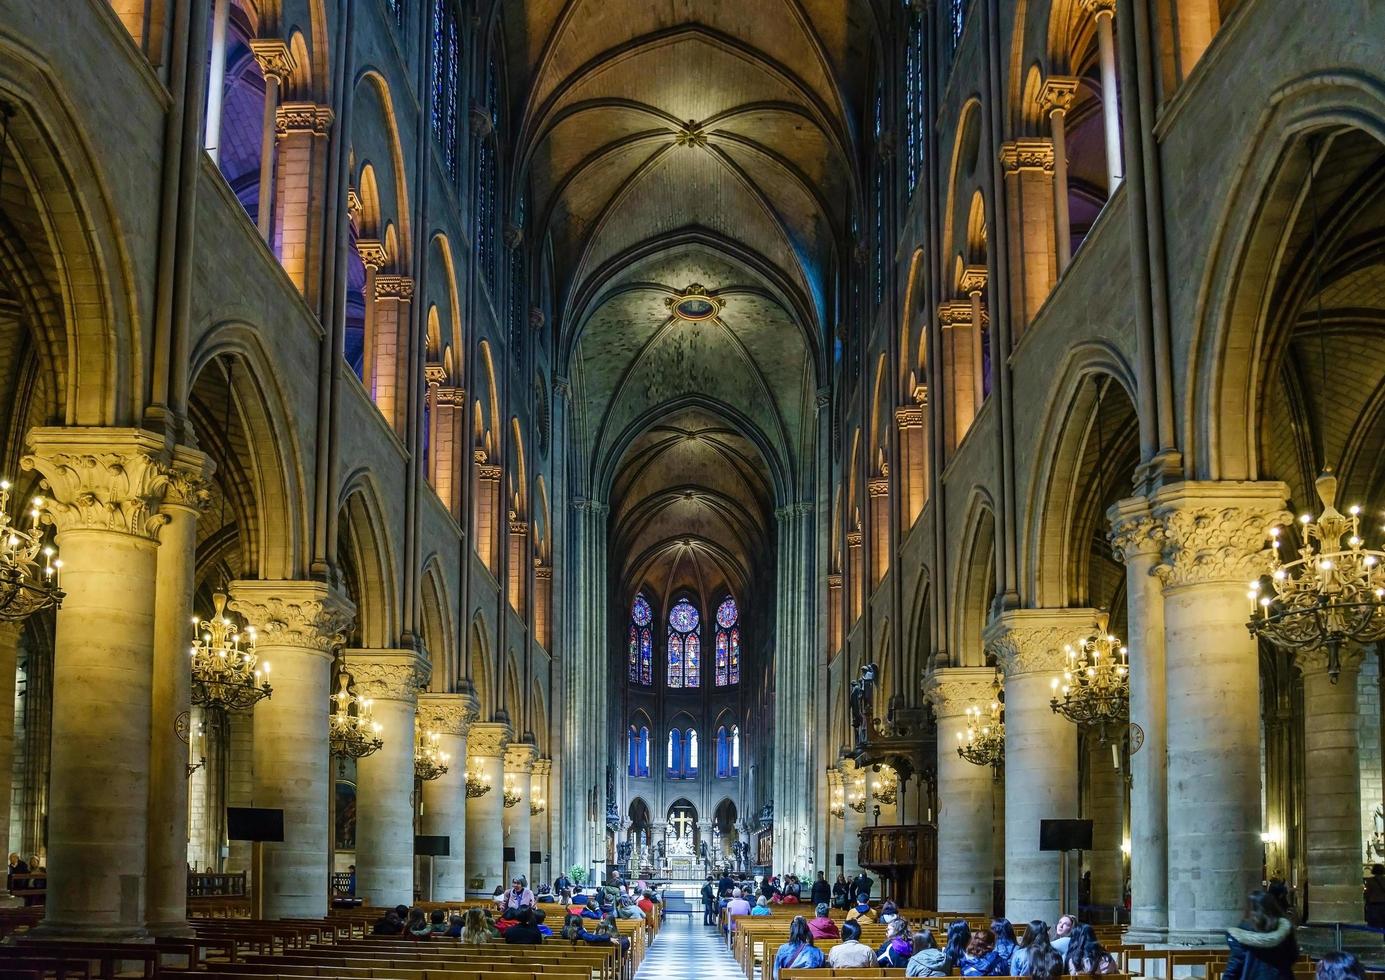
{"points": [[723, 754], [727, 613], [447, 47], [690, 754], [640, 611], [723, 659], [735, 670], [683, 618], [914, 107], [396, 8], [957, 20], [646, 657], [675, 660], [692, 660], [518, 310], [486, 178], [633, 655]]}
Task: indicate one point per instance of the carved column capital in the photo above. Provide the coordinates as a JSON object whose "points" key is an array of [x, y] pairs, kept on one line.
{"points": [[973, 279], [394, 287], [305, 615], [1099, 8], [101, 478], [543, 768], [1217, 531], [1134, 530], [274, 57], [488, 739], [446, 714], [853, 539], [1349, 660], [189, 480], [1027, 153], [1057, 94], [1029, 641], [520, 757], [878, 487], [954, 313], [389, 675], [952, 690], [303, 117], [908, 417], [372, 253]]}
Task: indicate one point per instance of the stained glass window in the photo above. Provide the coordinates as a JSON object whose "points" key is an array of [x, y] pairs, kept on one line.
{"points": [[878, 269], [690, 754], [728, 644], [640, 653], [684, 647], [957, 20], [728, 752], [915, 110], [447, 48], [519, 315], [396, 11], [487, 177], [675, 752], [637, 763]]}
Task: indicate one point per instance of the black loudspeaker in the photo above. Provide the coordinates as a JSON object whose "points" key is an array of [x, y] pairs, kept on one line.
{"points": [[1065, 835], [536, 857], [510, 854], [254, 823], [841, 860], [432, 845]]}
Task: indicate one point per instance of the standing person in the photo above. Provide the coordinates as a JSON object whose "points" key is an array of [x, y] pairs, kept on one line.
{"points": [[1263, 947], [862, 883], [799, 953], [1375, 896], [851, 953], [709, 903], [821, 892], [841, 892], [562, 883]]}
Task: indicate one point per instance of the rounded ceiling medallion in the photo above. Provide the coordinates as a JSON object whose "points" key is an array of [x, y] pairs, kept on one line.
{"points": [[694, 304]]}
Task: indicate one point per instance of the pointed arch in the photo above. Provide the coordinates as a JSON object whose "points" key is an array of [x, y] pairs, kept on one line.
{"points": [[975, 576], [368, 550], [437, 628]]}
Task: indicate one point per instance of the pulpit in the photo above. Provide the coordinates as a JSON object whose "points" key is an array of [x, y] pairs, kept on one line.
{"points": [[908, 858]]}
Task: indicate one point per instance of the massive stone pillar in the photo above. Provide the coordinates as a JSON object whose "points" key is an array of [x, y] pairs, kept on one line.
{"points": [[853, 822], [1332, 786], [794, 792], [170, 726], [1214, 542], [1137, 539], [1106, 809], [1041, 775], [392, 680], [519, 767], [485, 834], [1056, 96], [444, 798], [299, 624], [539, 837], [965, 794], [107, 487], [585, 687], [9, 666]]}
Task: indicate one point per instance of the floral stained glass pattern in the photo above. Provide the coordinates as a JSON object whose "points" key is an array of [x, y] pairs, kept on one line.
{"points": [[640, 643], [684, 647], [728, 644]]}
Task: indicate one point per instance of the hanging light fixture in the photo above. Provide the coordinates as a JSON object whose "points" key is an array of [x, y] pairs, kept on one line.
{"points": [[983, 742], [838, 805], [430, 761], [1333, 593], [511, 795], [885, 787], [856, 796], [1094, 691], [28, 563], [478, 781], [353, 733], [537, 804], [226, 673]]}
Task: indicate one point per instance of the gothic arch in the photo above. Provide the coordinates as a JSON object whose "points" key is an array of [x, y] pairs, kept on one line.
{"points": [[371, 556], [437, 628], [479, 664], [1061, 485], [975, 576]]}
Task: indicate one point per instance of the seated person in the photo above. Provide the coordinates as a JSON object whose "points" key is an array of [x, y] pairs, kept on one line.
{"points": [[476, 928], [518, 897], [737, 906], [524, 932], [861, 910], [761, 906], [437, 922], [388, 924], [822, 926], [627, 909], [455, 923], [417, 925], [539, 916], [799, 953], [851, 953]]}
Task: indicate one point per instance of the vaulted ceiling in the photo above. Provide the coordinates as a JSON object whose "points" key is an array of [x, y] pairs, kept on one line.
{"points": [[692, 146]]}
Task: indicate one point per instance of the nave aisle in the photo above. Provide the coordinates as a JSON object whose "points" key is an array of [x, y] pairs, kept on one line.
{"points": [[685, 948]]}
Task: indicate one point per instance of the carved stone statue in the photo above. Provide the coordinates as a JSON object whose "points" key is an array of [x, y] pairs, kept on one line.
{"points": [[862, 696]]}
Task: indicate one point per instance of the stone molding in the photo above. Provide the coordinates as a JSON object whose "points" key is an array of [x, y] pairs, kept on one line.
{"points": [[189, 480], [1030, 641], [518, 527], [304, 615], [834, 580], [542, 573], [434, 374], [389, 675], [105, 479], [486, 471], [908, 417], [520, 758], [452, 396], [543, 768], [952, 690], [372, 253], [973, 280], [302, 117], [853, 539], [1099, 7], [878, 487], [1349, 659], [955, 313], [447, 714], [394, 287], [1217, 532], [1134, 531], [488, 738], [1057, 93], [1027, 153], [274, 57]]}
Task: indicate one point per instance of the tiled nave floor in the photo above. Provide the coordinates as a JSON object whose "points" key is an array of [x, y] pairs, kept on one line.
{"points": [[685, 948]]}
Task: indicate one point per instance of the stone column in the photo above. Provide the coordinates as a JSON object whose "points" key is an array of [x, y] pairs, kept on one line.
{"points": [[1137, 539], [1106, 809], [392, 679], [913, 450], [9, 667], [1214, 543], [1041, 775], [216, 78], [106, 490], [299, 623], [1332, 790], [973, 284], [878, 496], [485, 835], [1105, 12], [277, 65], [519, 767], [1027, 164], [170, 726], [444, 798], [855, 570], [1056, 97], [965, 794], [301, 129], [836, 796], [538, 822], [852, 822], [961, 372]]}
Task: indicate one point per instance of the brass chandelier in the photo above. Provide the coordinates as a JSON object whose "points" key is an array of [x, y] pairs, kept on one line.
{"points": [[28, 565], [352, 732], [838, 805], [511, 796], [537, 803], [856, 796], [1332, 594], [478, 782], [430, 761], [885, 787], [226, 673], [983, 742], [1094, 691]]}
